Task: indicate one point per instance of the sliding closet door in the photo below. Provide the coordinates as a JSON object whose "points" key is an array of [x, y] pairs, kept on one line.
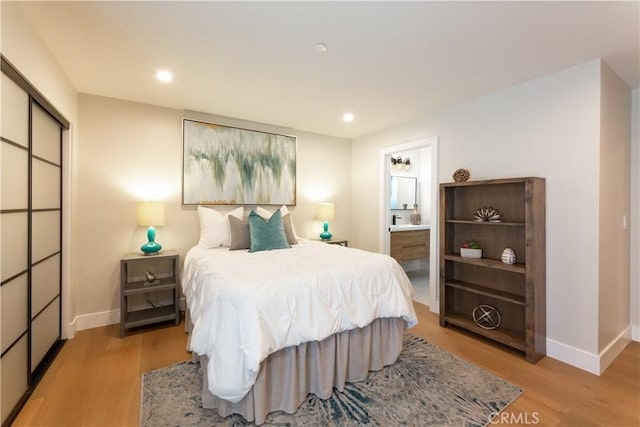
{"points": [[30, 238], [46, 248], [14, 229]]}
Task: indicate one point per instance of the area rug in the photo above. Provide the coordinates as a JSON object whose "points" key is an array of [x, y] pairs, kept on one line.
{"points": [[427, 386]]}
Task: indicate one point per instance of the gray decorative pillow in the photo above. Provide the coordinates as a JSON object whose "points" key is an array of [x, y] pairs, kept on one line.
{"points": [[266, 235], [239, 231]]}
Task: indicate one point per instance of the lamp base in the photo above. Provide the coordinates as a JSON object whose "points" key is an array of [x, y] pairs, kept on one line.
{"points": [[151, 248], [325, 235]]}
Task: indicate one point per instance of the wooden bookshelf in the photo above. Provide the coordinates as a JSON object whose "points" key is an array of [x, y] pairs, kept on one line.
{"points": [[516, 291]]}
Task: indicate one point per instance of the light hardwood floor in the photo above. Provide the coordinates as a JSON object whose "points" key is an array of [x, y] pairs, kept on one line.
{"points": [[95, 380]]}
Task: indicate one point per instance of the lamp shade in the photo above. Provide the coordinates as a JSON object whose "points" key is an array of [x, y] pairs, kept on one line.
{"points": [[325, 211], [150, 214]]}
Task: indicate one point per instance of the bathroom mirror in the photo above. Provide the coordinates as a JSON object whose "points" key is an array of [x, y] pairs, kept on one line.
{"points": [[403, 192]]}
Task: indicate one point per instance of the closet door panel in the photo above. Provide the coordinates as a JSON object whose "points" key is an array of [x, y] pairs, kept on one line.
{"points": [[30, 236], [13, 238], [46, 185], [45, 330], [45, 235], [14, 316], [14, 177], [45, 136], [14, 374], [45, 283], [15, 120]]}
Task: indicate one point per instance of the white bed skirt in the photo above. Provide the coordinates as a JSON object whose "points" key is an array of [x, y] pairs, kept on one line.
{"points": [[287, 376]]}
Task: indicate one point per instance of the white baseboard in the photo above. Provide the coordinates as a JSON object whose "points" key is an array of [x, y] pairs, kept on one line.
{"points": [[573, 356], [95, 320], [72, 328], [590, 362], [614, 349], [635, 333]]}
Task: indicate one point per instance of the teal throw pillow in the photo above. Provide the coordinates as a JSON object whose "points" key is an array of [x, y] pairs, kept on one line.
{"points": [[265, 234]]}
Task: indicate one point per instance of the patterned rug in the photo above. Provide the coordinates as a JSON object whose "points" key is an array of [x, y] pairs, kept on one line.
{"points": [[427, 386]]}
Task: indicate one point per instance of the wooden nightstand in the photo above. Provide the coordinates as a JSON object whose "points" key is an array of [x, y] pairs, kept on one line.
{"points": [[133, 281], [344, 243]]}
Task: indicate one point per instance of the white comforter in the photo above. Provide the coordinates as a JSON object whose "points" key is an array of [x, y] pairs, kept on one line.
{"points": [[245, 306]]}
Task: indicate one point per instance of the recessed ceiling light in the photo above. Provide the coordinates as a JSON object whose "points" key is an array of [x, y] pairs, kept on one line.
{"points": [[348, 117], [320, 47], [164, 76]]}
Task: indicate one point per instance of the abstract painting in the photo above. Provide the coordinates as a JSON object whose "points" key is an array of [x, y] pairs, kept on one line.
{"points": [[224, 165]]}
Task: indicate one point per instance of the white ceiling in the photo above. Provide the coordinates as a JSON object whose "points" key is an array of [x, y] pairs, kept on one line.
{"points": [[387, 62]]}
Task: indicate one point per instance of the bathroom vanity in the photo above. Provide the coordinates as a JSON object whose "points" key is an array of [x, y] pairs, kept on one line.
{"points": [[409, 242]]}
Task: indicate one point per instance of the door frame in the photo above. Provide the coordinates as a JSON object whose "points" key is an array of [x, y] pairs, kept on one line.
{"points": [[384, 240]]}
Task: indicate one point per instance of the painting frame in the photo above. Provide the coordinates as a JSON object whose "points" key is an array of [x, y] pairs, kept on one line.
{"points": [[231, 166]]}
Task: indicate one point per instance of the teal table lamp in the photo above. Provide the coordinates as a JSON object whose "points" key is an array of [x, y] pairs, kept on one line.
{"points": [[151, 214], [325, 213]]}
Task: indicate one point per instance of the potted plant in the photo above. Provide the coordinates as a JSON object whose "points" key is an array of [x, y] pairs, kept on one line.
{"points": [[471, 249]]}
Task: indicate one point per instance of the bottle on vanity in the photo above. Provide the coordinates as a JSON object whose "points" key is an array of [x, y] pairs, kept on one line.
{"points": [[416, 218]]}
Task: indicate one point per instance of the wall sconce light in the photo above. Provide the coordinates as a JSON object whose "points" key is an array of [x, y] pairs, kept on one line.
{"points": [[151, 214], [400, 163]]}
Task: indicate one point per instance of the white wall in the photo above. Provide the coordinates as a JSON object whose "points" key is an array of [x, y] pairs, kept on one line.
{"points": [[635, 215], [547, 127], [425, 185], [22, 46], [129, 152], [615, 119]]}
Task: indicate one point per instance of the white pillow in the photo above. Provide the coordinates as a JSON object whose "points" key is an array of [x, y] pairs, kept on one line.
{"points": [[214, 226], [283, 211]]}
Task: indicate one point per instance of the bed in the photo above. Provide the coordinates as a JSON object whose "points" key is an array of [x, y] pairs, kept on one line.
{"points": [[271, 326]]}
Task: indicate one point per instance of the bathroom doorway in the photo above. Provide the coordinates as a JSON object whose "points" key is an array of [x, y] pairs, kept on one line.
{"points": [[409, 174]]}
